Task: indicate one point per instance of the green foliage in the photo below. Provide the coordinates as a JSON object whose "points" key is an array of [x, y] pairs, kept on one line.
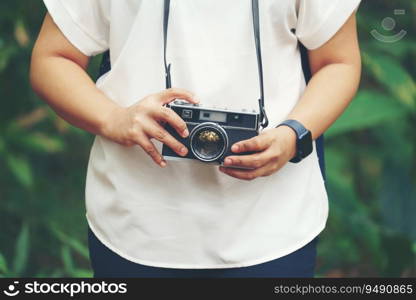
{"points": [[370, 108], [42, 161], [394, 78], [370, 156]]}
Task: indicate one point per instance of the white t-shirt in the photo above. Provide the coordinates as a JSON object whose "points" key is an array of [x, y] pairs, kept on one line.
{"points": [[190, 215]]}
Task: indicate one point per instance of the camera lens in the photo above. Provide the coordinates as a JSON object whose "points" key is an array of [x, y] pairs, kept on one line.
{"points": [[208, 142]]}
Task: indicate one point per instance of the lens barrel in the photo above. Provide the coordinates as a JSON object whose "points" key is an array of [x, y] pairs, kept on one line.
{"points": [[208, 142]]}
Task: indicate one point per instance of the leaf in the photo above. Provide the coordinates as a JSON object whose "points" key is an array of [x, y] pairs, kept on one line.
{"points": [[22, 250], [368, 109], [21, 34], [397, 50], [393, 76], [67, 259], [21, 169], [57, 274], [6, 54], [350, 217], [71, 242], [43, 143], [3, 265], [81, 273]]}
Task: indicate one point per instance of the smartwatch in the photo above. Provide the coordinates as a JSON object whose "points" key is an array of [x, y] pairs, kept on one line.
{"points": [[303, 139]]}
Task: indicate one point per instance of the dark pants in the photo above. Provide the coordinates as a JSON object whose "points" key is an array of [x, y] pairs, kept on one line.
{"points": [[107, 264]]}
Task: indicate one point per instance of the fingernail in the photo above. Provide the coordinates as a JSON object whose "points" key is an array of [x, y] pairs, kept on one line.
{"points": [[186, 133], [163, 164], [228, 161], [235, 148], [184, 150]]}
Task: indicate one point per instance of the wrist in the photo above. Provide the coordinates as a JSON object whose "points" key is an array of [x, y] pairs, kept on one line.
{"points": [[304, 145], [106, 125], [288, 138]]}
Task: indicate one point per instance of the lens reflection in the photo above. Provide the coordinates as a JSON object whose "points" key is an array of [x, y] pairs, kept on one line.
{"points": [[208, 144]]}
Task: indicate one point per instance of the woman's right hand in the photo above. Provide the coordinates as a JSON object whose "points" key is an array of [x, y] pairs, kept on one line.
{"points": [[143, 121]]}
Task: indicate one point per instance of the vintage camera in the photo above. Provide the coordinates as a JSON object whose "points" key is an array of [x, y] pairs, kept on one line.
{"points": [[212, 131]]}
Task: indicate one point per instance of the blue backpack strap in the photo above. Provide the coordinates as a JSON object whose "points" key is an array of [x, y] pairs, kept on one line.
{"points": [[106, 66]]}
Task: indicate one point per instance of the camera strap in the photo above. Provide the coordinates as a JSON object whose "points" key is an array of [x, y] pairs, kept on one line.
{"points": [[264, 121], [256, 26], [166, 13]]}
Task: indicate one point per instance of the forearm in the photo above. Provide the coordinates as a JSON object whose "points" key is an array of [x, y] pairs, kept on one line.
{"points": [[336, 69], [68, 90], [327, 95]]}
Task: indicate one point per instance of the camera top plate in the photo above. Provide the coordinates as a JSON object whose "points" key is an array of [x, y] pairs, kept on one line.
{"points": [[182, 103]]}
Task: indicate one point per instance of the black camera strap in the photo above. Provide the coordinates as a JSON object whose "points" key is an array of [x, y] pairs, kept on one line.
{"points": [[256, 26], [166, 10], [264, 121]]}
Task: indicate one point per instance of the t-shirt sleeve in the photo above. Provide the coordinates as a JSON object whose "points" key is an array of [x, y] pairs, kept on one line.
{"points": [[319, 20], [85, 23]]}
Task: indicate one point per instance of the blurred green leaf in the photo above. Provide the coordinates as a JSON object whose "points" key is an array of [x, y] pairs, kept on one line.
{"points": [[81, 273], [368, 109], [69, 265], [43, 143], [67, 259], [21, 250], [392, 75], [71, 242], [5, 57], [3, 265], [21, 169], [20, 33], [397, 50]]}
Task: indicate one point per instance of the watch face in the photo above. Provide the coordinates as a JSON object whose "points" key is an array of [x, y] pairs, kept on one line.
{"points": [[305, 145]]}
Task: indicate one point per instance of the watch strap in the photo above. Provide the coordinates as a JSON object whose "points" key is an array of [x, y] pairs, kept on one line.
{"points": [[301, 133]]}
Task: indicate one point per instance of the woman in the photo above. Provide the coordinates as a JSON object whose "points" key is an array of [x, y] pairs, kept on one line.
{"points": [[258, 215]]}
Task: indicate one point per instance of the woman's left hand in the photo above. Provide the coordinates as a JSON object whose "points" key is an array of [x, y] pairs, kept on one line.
{"points": [[273, 147]]}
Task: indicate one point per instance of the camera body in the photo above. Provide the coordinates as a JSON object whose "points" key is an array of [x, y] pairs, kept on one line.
{"points": [[212, 131]]}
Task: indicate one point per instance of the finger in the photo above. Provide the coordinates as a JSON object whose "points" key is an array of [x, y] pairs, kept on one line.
{"points": [[169, 95], [245, 174], [167, 115], [255, 144], [253, 161], [158, 132], [150, 149]]}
